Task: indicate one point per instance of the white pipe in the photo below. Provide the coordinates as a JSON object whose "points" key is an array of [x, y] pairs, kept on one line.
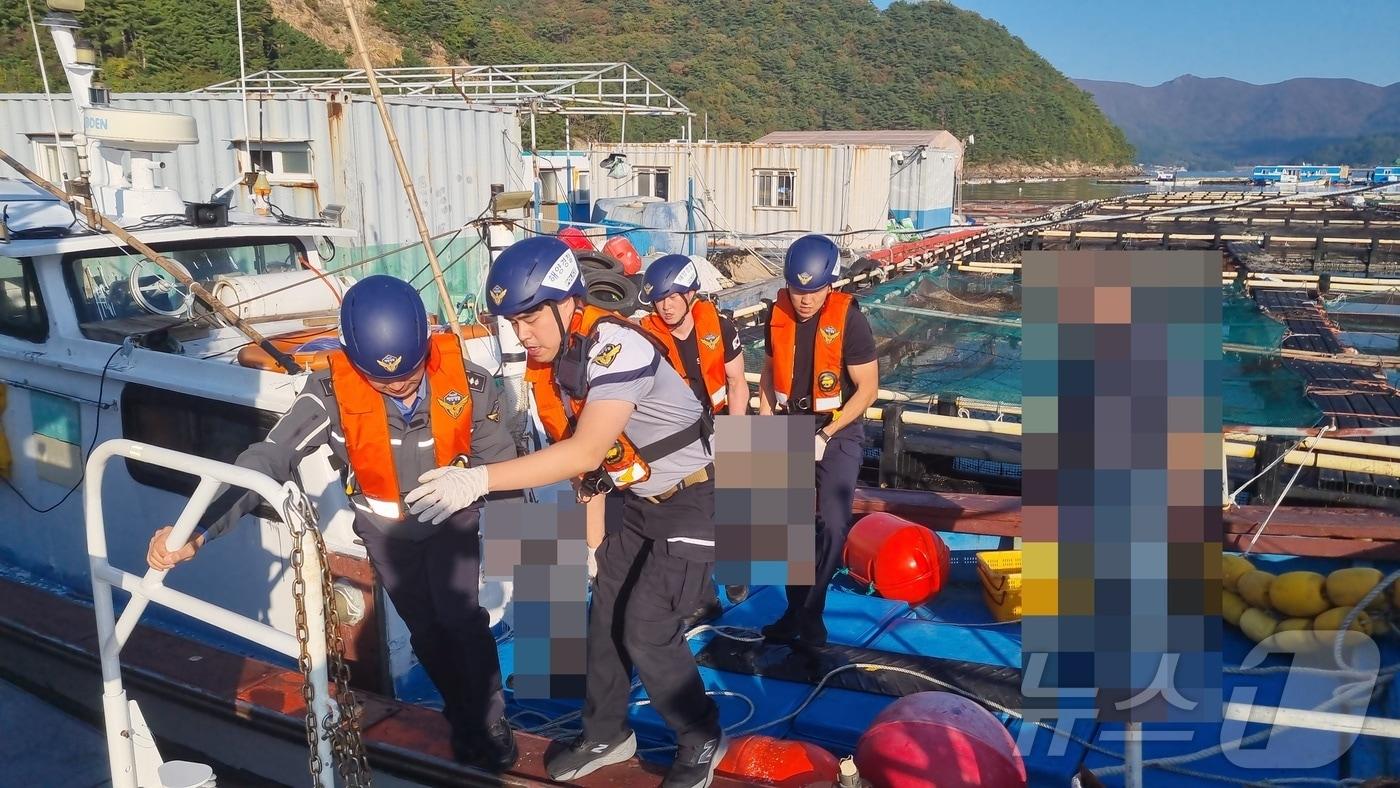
{"points": [[1132, 755], [1331, 721], [111, 635]]}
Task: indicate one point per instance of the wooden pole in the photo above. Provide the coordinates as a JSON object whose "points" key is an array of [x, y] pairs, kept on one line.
{"points": [[196, 289], [448, 304]]}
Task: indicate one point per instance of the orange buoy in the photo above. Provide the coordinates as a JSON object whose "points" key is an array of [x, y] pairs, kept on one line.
{"points": [[575, 239], [769, 761], [938, 740], [899, 559], [618, 246]]}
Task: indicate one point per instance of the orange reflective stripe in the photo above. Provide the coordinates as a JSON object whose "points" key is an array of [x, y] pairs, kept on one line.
{"points": [[709, 339], [366, 423], [828, 350]]}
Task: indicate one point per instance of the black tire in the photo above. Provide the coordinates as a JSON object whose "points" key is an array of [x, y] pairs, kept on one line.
{"points": [[611, 290], [861, 266], [599, 261]]}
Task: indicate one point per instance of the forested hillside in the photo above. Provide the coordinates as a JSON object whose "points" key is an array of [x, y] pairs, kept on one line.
{"points": [[751, 66]]}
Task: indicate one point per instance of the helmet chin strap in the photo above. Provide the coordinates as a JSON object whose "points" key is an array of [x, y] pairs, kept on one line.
{"points": [[563, 332]]}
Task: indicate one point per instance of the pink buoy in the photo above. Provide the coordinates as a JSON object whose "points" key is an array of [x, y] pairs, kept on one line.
{"points": [[938, 740], [618, 246]]}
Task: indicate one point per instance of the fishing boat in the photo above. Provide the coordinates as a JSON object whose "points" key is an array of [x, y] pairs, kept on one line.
{"points": [[146, 341]]}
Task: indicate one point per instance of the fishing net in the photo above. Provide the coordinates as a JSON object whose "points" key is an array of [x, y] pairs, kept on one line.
{"points": [[943, 332]]}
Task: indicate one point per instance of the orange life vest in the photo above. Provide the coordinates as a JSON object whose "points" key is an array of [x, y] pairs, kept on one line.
{"points": [[623, 463], [366, 424], [827, 350], [710, 341]]}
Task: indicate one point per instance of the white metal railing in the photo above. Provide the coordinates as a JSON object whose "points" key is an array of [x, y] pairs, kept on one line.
{"points": [[112, 632]]}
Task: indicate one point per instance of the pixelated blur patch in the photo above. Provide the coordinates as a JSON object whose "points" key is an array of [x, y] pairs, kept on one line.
{"points": [[765, 500], [1121, 485]]}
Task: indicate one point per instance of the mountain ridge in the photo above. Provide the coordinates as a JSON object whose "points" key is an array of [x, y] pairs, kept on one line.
{"points": [[1210, 122]]}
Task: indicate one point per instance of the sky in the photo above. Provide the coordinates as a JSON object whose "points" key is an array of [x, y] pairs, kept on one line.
{"points": [[1148, 42]]}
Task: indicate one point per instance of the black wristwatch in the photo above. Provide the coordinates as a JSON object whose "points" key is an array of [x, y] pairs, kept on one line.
{"points": [[822, 434]]}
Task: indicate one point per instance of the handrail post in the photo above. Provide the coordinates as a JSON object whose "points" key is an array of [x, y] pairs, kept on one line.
{"points": [[112, 634]]}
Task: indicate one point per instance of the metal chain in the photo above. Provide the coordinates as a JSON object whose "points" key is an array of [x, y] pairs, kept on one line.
{"points": [[298, 525], [342, 722]]}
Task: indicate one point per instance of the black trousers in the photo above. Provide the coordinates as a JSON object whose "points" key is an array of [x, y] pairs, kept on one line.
{"points": [[434, 585], [836, 494], [643, 589]]}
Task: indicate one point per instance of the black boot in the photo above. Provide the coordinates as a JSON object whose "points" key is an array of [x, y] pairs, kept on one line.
{"points": [[493, 750], [784, 630]]}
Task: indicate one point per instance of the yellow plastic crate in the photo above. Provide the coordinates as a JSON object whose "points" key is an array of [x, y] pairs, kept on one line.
{"points": [[1000, 573], [1004, 605]]}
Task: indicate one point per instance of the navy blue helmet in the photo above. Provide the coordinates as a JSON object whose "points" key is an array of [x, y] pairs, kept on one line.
{"points": [[812, 262], [384, 327], [532, 272], [674, 273]]}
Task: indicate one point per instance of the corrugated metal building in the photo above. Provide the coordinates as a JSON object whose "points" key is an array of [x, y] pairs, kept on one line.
{"points": [[752, 189], [322, 149], [925, 167]]}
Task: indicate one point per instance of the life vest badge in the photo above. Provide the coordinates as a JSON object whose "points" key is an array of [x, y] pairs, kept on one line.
{"points": [[607, 355], [830, 333], [453, 402], [711, 341], [614, 454], [390, 363], [826, 382], [498, 294]]}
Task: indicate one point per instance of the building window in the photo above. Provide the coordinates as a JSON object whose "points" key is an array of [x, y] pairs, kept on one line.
{"points": [[775, 188], [209, 428], [654, 182], [55, 162], [282, 161], [22, 312]]}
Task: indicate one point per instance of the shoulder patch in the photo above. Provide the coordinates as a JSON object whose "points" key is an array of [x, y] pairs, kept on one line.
{"points": [[326, 388], [476, 382], [607, 355]]}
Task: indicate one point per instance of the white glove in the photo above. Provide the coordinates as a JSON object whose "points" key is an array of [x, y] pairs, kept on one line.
{"points": [[821, 446], [445, 491]]}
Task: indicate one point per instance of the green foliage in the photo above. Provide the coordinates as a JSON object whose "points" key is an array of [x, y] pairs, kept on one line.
{"points": [[764, 65], [752, 66], [161, 45]]}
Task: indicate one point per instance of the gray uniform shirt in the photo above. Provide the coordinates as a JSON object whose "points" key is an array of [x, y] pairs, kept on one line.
{"points": [[313, 421], [624, 365]]}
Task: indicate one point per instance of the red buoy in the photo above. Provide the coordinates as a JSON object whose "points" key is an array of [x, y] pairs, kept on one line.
{"points": [[618, 246], [574, 238], [769, 761], [900, 559], [938, 740]]}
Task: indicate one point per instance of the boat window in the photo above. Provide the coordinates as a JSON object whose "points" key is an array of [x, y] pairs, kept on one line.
{"points": [[21, 307], [101, 287], [182, 422]]}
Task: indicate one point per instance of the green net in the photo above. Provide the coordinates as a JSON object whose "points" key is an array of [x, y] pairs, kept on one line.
{"points": [[930, 343]]}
